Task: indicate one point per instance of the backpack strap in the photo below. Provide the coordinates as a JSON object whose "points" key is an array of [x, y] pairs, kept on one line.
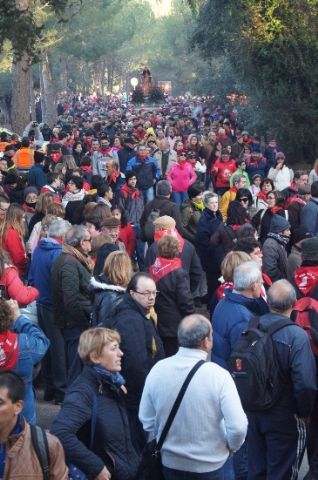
{"points": [[41, 447]]}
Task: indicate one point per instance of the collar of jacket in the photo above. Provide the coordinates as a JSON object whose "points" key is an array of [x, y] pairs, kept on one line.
{"points": [[102, 284]]}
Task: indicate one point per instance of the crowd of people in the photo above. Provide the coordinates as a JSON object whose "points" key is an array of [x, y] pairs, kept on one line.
{"points": [[119, 228]]}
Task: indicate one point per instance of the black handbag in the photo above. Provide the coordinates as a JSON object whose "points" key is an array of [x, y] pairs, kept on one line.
{"points": [[151, 465]]}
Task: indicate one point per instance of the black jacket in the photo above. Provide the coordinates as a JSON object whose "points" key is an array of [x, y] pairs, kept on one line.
{"points": [[70, 292], [174, 301], [124, 155], [210, 255], [112, 445], [138, 337], [105, 299], [190, 262], [166, 207], [102, 254]]}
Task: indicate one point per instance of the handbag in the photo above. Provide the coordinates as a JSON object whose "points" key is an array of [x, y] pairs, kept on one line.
{"points": [[151, 456], [73, 471]]}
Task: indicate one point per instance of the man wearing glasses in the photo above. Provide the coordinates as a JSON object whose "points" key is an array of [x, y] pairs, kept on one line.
{"points": [[140, 343]]}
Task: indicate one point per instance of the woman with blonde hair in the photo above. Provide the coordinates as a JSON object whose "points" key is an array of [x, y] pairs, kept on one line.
{"points": [[96, 398], [108, 288], [41, 209], [12, 232]]}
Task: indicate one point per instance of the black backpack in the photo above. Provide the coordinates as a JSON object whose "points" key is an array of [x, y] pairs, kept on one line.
{"points": [[254, 366], [41, 447]]}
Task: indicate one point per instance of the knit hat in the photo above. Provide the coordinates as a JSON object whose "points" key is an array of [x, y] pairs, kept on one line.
{"points": [[110, 222], [278, 224], [309, 249], [164, 222], [194, 191], [130, 174], [28, 190]]}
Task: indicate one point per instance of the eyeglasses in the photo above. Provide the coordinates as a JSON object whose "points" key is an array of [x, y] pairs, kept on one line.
{"points": [[148, 294]]}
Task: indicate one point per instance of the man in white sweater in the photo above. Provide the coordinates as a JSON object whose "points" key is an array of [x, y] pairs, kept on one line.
{"points": [[210, 424]]}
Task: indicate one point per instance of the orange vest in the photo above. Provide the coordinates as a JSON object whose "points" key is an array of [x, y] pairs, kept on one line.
{"points": [[24, 158]]}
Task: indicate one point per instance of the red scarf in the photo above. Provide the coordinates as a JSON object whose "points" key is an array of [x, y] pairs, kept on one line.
{"points": [[262, 196], [220, 293], [275, 210], [163, 266], [306, 279], [113, 178], [130, 191], [170, 231], [9, 350]]}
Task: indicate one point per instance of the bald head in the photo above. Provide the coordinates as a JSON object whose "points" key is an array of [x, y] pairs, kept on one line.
{"points": [[281, 297], [193, 330]]}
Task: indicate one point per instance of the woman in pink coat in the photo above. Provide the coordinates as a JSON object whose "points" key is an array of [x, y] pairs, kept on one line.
{"points": [[181, 176]]}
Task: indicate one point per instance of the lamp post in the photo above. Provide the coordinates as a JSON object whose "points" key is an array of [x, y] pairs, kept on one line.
{"points": [[134, 82]]}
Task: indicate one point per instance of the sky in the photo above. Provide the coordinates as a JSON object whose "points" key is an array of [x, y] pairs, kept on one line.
{"points": [[160, 7]]}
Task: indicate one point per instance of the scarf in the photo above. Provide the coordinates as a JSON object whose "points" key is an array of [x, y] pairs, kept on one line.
{"points": [[198, 204], [73, 197], [279, 238], [306, 279], [170, 231], [151, 315], [9, 350], [163, 266], [113, 377], [130, 191], [275, 210], [113, 178], [84, 260], [262, 196]]}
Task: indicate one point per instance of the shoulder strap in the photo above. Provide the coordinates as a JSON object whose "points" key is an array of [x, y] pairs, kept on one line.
{"points": [[41, 447], [177, 403]]}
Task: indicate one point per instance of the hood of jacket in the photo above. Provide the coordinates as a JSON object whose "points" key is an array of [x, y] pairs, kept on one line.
{"points": [[49, 244], [103, 283]]}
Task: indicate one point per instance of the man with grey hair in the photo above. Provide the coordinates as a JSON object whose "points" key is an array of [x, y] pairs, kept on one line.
{"points": [[164, 206], [44, 255], [277, 437], [71, 274], [234, 311], [197, 445]]}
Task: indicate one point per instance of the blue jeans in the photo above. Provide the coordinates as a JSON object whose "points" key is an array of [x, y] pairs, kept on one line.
{"points": [[171, 474], [148, 194], [179, 197], [54, 362]]}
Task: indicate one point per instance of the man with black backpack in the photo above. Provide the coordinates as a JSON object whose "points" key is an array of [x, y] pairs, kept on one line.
{"points": [[26, 451], [277, 427]]}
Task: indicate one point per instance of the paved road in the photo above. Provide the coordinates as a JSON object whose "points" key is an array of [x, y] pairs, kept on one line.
{"points": [[47, 411]]}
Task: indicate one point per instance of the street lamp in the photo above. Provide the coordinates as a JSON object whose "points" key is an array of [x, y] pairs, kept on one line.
{"points": [[134, 82]]}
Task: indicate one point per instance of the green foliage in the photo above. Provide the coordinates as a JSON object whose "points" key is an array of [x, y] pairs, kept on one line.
{"points": [[137, 95], [156, 95]]}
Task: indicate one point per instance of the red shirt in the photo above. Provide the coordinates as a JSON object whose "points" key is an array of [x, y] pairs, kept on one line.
{"points": [[222, 172]]}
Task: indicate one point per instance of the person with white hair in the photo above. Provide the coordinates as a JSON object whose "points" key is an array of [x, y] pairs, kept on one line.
{"points": [[53, 364]]}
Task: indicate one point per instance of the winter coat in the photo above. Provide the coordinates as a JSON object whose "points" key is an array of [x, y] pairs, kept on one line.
{"points": [[172, 160], [21, 460], [102, 254], [173, 302], [309, 217], [229, 319], [99, 162], [112, 442], [256, 168], [146, 171], [210, 256], [274, 259], [262, 221], [224, 238], [40, 274], [140, 343], [225, 201], [15, 288], [70, 292], [293, 261], [36, 176], [181, 177], [190, 215], [282, 178], [13, 244], [131, 200], [189, 258], [116, 186], [128, 237], [105, 298], [124, 155], [165, 207], [33, 345]]}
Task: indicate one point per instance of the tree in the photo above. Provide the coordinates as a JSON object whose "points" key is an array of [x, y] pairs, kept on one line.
{"points": [[273, 49]]}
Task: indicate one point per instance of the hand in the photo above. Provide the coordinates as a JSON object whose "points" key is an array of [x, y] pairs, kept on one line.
{"points": [[14, 306], [103, 475]]}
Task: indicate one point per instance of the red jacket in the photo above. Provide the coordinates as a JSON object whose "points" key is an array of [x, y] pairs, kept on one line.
{"points": [[15, 288], [13, 244], [128, 237], [222, 171]]}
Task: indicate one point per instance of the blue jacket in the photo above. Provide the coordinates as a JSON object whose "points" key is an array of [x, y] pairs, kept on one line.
{"points": [[297, 365], [43, 258], [33, 345], [146, 171], [210, 256], [259, 169], [112, 442], [36, 176], [229, 319], [309, 217]]}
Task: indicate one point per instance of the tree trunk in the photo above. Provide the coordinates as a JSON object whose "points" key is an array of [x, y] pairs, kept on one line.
{"points": [[47, 92], [21, 80]]}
